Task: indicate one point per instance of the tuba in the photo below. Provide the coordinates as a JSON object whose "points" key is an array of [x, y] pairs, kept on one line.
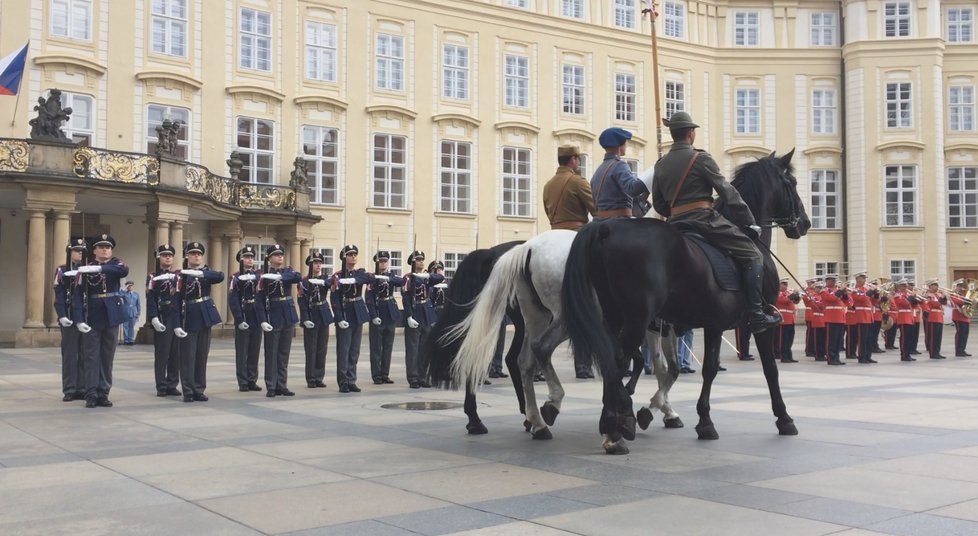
{"points": [[971, 297]]}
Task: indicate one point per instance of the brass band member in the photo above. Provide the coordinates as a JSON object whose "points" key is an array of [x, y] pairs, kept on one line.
{"points": [[964, 305], [934, 302]]}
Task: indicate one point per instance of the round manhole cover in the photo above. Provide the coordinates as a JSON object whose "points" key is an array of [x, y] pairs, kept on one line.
{"points": [[423, 405]]}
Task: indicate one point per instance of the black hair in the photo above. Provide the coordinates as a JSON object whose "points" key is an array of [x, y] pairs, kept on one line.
{"points": [[680, 134], [564, 160]]}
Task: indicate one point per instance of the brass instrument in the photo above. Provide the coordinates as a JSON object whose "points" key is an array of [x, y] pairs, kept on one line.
{"points": [[970, 298]]}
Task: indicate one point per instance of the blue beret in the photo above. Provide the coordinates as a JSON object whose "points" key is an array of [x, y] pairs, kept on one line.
{"points": [[614, 137]]}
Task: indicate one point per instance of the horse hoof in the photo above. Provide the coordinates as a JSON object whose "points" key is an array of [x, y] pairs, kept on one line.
{"points": [[543, 433], [787, 428], [707, 432], [627, 428], [527, 426], [616, 448], [476, 428], [644, 418], [549, 413], [674, 422]]}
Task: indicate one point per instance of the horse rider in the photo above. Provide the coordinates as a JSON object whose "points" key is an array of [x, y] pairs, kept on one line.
{"points": [[163, 311], [682, 190], [567, 196], [613, 184]]}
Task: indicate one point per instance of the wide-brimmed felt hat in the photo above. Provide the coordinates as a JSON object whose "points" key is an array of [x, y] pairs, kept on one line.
{"points": [[679, 120]]}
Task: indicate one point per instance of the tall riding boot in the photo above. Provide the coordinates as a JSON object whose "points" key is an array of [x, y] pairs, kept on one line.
{"points": [[757, 320]]}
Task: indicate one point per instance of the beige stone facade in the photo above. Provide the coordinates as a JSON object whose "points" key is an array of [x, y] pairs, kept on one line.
{"points": [[433, 124]]}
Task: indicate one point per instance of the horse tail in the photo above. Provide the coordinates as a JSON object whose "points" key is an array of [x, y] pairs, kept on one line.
{"points": [[581, 311], [480, 329]]}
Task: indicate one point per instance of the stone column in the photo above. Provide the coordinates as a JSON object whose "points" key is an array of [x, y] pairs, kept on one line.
{"points": [[36, 268], [296, 258], [176, 239], [61, 235], [162, 234], [215, 259]]}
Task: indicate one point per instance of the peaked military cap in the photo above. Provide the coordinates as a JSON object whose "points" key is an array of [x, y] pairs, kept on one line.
{"points": [[349, 248], [614, 137], [859, 274], [382, 256], [193, 247], [274, 249], [76, 244], [911, 282], [832, 276], [819, 284], [435, 265], [246, 251], [783, 280], [959, 282], [166, 248], [103, 240], [902, 282], [932, 282], [315, 257], [679, 120], [568, 150], [416, 255]]}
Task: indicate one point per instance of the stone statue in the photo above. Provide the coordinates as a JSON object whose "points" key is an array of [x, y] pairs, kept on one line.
{"points": [[166, 137], [50, 116], [298, 178], [235, 163]]}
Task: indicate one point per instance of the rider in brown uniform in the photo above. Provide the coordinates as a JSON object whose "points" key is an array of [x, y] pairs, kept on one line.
{"points": [[567, 196]]}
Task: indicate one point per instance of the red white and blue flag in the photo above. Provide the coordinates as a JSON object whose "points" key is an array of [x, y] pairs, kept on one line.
{"points": [[12, 70]]}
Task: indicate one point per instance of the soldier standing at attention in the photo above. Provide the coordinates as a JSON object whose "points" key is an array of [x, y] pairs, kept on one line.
{"points": [[904, 317], [567, 196], [64, 282], [199, 315], [98, 311], [315, 316], [350, 313], [276, 314], [836, 301], [961, 316], [438, 289], [934, 302], [862, 301], [247, 333], [809, 331], [613, 185], [163, 310], [419, 314], [384, 317], [787, 302]]}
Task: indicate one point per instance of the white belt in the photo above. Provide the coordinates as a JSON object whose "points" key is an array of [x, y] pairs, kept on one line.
{"points": [[834, 308], [864, 308], [785, 310]]}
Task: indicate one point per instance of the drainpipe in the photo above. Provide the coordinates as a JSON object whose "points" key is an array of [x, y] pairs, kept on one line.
{"points": [[843, 185]]}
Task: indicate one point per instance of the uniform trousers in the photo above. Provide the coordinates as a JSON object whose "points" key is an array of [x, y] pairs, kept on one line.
{"points": [[71, 369], [348, 353], [906, 336], [166, 360], [889, 338], [381, 346], [784, 340], [864, 342], [874, 335], [833, 342], [914, 336], [247, 346], [98, 352], [314, 341], [809, 340], [194, 349], [820, 344], [497, 357], [743, 342], [961, 330], [852, 340], [278, 344], [417, 364], [927, 333], [935, 336]]}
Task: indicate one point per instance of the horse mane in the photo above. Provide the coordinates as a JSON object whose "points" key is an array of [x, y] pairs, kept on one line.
{"points": [[747, 178]]}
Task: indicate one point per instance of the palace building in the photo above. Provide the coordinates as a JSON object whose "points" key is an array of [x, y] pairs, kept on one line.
{"points": [[433, 124]]}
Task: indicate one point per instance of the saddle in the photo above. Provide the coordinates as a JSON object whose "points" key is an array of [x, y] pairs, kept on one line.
{"points": [[725, 270]]}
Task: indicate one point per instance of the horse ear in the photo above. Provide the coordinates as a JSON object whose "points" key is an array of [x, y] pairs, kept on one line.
{"points": [[772, 154], [786, 159]]}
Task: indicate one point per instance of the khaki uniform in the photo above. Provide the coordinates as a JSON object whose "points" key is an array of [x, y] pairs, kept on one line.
{"points": [[567, 200]]}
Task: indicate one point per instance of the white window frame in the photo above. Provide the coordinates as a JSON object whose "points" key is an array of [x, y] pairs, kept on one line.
{"points": [[173, 113], [674, 21], [822, 29], [516, 184], [897, 19], [626, 97], [455, 72], [899, 104], [961, 25], [455, 177], [624, 13], [900, 200], [572, 89], [962, 197], [573, 9], [675, 97], [748, 103], [824, 111], [582, 166], [903, 269], [80, 134], [71, 19], [516, 81], [961, 108], [390, 62], [320, 51], [321, 151], [260, 250], [452, 260], [747, 28], [386, 171], [169, 23], [254, 154], [396, 265], [255, 28], [826, 267], [825, 194], [632, 164], [524, 4]]}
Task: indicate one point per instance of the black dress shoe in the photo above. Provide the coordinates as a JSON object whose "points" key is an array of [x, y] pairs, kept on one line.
{"points": [[243, 388], [539, 377], [966, 354], [91, 402], [939, 356], [493, 374], [687, 370], [582, 375], [590, 374], [889, 347], [820, 359], [502, 374], [388, 380], [648, 371], [914, 352], [104, 402], [789, 360], [908, 359], [720, 368], [284, 392], [270, 394], [68, 397], [959, 354], [254, 387], [161, 392], [412, 385], [173, 391], [422, 383], [747, 358], [836, 363], [378, 381], [320, 384], [200, 397], [344, 388], [354, 389], [486, 382], [188, 398]]}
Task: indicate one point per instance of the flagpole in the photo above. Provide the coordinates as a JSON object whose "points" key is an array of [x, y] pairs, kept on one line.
{"points": [[653, 14], [13, 120]]}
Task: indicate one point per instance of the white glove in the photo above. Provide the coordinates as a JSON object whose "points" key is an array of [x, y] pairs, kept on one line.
{"points": [[90, 269], [421, 275], [65, 322], [157, 325], [342, 324], [246, 277], [441, 285], [165, 277], [70, 273], [193, 273], [243, 326], [319, 282], [273, 277], [376, 321], [179, 332], [647, 177], [348, 281], [309, 324], [266, 327], [412, 323], [382, 278], [83, 327]]}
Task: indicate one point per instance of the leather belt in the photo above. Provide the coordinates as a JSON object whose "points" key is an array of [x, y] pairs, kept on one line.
{"points": [[614, 213], [389, 298], [165, 302], [248, 301], [569, 225], [318, 302], [350, 300], [199, 300], [687, 207], [280, 299], [105, 295]]}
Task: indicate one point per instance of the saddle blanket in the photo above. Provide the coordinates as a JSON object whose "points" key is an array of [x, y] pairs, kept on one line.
{"points": [[724, 268]]}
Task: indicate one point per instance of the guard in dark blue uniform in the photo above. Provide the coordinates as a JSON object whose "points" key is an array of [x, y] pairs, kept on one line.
{"points": [[438, 289], [350, 313], [98, 310], [64, 282], [419, 315], [276, 312], [247, 332], [384, 317], [199, 314], [315, 315], [163, 310]]}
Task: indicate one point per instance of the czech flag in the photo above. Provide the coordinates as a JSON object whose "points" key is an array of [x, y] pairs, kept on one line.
{"points": [[12, 70]]}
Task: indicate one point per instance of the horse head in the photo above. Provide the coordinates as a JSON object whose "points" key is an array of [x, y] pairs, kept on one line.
{"points": [[768, 186]]}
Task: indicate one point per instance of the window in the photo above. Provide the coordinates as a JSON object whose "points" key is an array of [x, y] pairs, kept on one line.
{"points": [[828, 267], [517, 81], [572, 8], [397, 263], [823, 29], [390, 171], [81, 127], [518, 3], [746, 27], [573, 89], [901, 195], [582, 169], [256, 40], [748, 111], [260, 250], [962, 197], [625, 97], [155, 115], [823, 111], [456, 176], [675, 22], [896, 19], [455, 72], [632, 164], [169, 22], [390, 62], [320, 149], [675, 98], [327, 256], [320, 51], [962, 102], [898, 105], [256, 145], [960, 25], [516, 182], [900, 269], [72, 19], [625, 13], [452, 260], [825, 199]]}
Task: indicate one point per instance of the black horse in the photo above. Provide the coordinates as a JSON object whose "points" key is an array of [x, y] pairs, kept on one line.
{"points": [[642, 269], [467, 282]]}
